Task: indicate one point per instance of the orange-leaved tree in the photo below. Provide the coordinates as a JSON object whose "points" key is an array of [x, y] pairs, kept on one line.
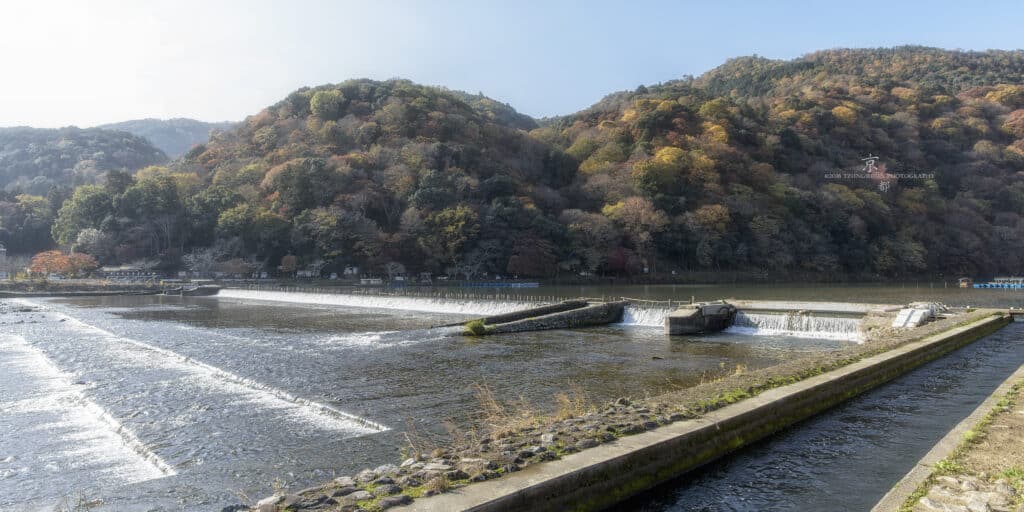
{"points": [[80, 263], [56, 262], [48, 262]]}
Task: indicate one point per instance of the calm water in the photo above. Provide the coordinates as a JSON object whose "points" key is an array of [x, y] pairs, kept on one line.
{"points": [[187, 403], [850, 456], [946, 293]]}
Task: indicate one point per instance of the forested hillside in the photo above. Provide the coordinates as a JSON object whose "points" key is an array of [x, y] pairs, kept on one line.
{"points": [[40, 168], [758, 165], [737, 169], [34, 160], [372, 173], [173, 136]]}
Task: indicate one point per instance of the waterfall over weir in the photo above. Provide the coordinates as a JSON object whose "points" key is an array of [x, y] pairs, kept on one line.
{"points": [[799, 325], [425, 304], [774, 323], [645, 316], [763, 323]]}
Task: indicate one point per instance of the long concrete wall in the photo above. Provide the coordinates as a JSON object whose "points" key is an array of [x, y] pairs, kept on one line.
{"points": [[538, 311], [598, 478], [567, 305], [596, 314], [893, 500]]}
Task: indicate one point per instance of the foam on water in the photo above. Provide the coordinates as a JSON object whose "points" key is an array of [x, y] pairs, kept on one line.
{"points": [[796, 325], [762, 324], [366, 339], [644, 316], [97, 441], [424, 304], [215, 378]]}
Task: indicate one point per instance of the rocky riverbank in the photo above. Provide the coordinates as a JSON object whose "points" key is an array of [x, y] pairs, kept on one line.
{"points": [[484, 458], [986, 472], [966, 493], [506, 439]]}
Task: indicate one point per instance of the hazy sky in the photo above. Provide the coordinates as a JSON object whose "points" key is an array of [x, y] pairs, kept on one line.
{"points": [[91, 62]]}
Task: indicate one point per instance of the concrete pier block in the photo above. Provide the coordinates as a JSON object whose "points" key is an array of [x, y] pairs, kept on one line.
{"points": [[700, 318]]}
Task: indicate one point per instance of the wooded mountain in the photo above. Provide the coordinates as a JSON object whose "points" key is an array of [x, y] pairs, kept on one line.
{"points": [[40, 162], [842, 163], [34, 160], [173, 136], [742, 162]]}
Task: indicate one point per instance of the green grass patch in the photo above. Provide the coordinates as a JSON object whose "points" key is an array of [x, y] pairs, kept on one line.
{"points": [[953, 464], [476, 328]]}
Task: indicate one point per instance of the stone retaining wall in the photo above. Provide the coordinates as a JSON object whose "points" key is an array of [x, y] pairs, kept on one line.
{"points": [[602, 476]]}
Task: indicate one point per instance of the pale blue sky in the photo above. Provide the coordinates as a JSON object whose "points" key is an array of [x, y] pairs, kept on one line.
{"points": [[85, 63]]}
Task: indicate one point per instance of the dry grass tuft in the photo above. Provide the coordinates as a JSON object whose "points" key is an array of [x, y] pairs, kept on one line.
{"points": [[501, 419], [437, 485], [573, 404]]}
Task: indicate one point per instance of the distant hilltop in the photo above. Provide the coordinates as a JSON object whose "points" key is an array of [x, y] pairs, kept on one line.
{"points": [[173, 136], [34, 160]]}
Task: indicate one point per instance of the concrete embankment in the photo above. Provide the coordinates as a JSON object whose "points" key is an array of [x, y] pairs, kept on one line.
{"points": [[596, 314], [599, 477], [526, 313], [947, 446], [563, 315]]}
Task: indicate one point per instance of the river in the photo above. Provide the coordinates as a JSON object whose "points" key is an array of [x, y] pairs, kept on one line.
{"points": [[170, 403]]}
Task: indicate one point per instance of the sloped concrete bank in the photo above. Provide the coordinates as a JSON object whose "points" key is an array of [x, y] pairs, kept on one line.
{"points": [[567, 305], [592, 315], [557, 307], [599, 477], [896, 498]]}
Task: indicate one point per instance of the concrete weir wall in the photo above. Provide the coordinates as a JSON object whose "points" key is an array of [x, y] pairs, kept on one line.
{"points": [[537, 311], [595, 314], [600, 477]]}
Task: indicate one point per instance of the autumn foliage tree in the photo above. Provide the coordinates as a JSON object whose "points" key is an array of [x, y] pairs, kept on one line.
{"points": [[56, 262]]}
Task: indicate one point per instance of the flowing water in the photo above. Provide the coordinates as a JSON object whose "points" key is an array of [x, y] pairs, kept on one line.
{"points": [[635, 315], [848, 457], [802, 325], [171, 403]]}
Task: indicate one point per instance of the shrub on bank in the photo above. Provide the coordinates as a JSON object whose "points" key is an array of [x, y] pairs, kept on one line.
{"points": [[476, 328]]}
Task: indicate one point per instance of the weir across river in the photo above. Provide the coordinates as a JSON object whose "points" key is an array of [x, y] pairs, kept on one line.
{"points": [[805, 319]]}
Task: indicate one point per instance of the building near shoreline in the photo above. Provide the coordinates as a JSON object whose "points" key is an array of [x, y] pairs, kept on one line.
{"points": [[128, 272]]}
